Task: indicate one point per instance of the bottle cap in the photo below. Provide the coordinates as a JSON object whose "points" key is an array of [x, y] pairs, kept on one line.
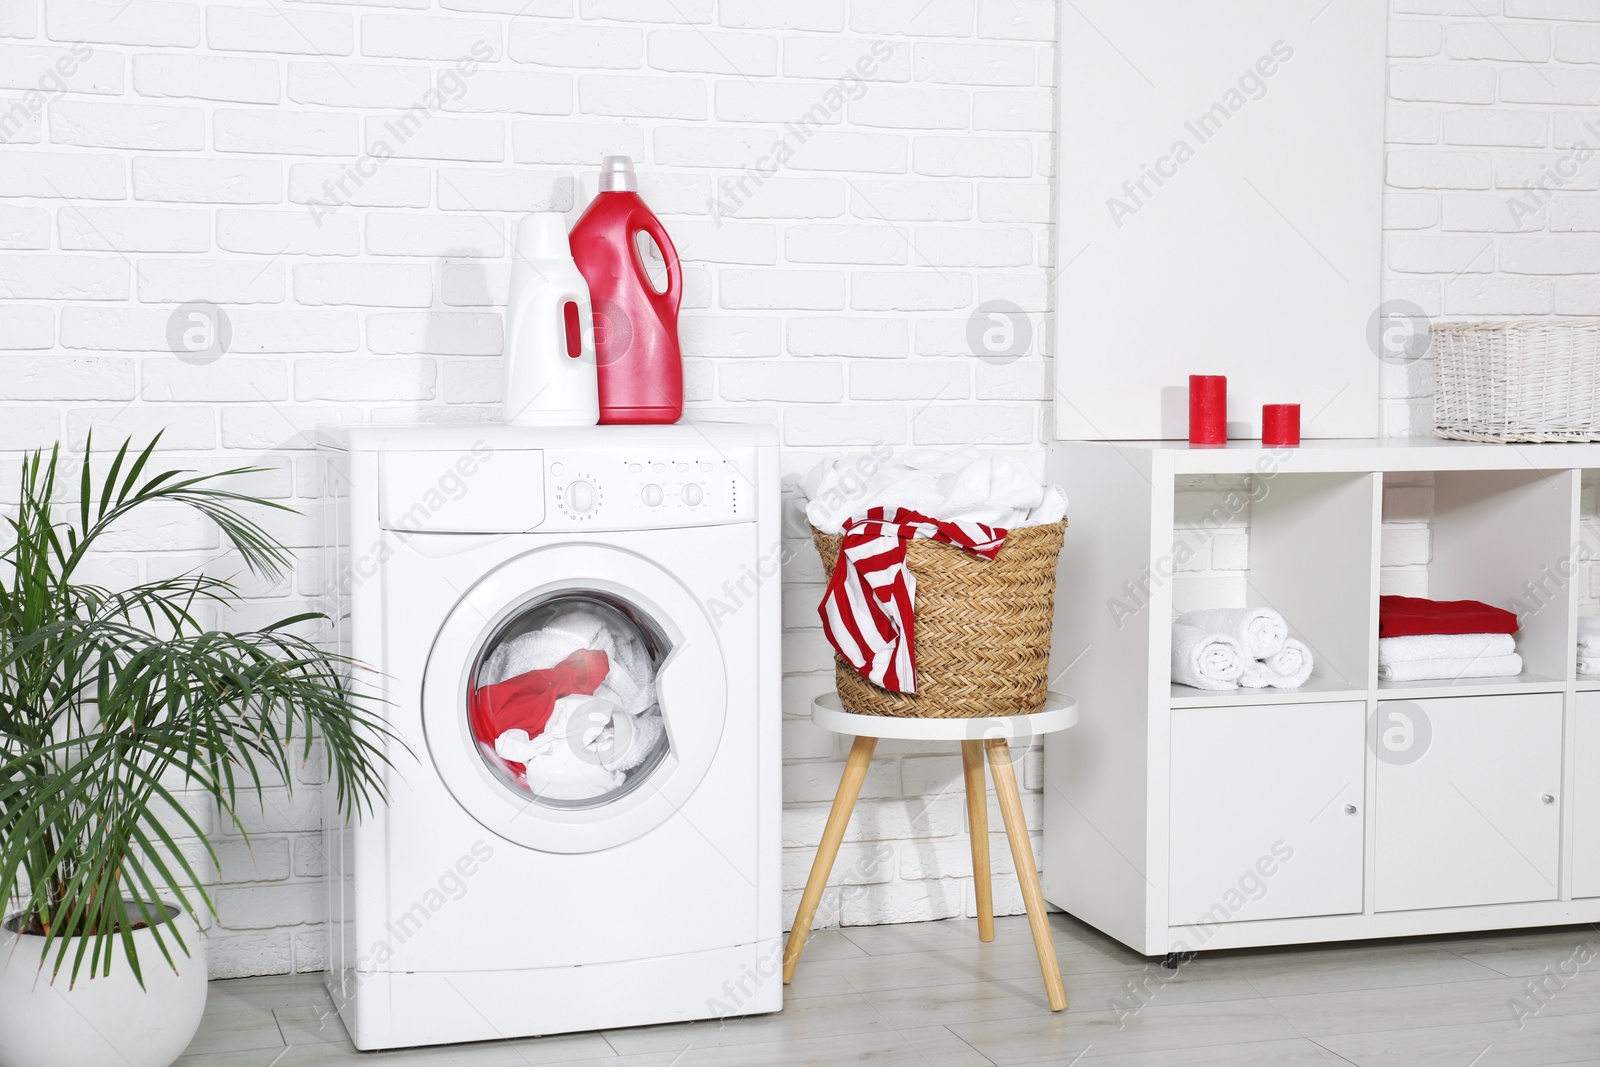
{"points": [[616, 175], [543, 235]]}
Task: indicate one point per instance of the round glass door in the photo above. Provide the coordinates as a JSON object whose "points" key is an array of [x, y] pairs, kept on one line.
{"points": [[574, 697], [561, 699]]}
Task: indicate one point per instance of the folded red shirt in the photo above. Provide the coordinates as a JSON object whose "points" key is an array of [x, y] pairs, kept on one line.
{"points": [[1403, 616], [524, 702]]}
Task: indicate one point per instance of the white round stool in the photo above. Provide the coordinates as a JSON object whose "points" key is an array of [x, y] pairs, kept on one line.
{"points": [[976, 736]]}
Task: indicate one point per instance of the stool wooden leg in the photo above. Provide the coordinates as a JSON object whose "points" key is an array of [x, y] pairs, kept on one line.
{"points": [[844, 802], [978, 824], [1005, 787]]}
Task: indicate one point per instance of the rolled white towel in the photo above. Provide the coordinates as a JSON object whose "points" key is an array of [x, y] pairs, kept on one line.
{"points": [[1256, 675], [1418, 670], [1290, 666], [1206, 660], [1261, 632], [1443, 646], [1589, 664]]}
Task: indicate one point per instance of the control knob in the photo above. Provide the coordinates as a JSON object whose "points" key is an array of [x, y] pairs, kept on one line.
{"points": [[581, 496]]}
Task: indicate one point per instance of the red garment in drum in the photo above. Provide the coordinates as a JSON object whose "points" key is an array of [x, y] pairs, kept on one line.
{"points": [[525, 701]]}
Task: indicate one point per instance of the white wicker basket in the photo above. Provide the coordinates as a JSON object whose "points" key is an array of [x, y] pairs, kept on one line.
{"points": [[1537, 380]]}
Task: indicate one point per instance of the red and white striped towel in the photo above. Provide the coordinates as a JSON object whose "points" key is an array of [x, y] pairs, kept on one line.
{"points": [[869, 608]]}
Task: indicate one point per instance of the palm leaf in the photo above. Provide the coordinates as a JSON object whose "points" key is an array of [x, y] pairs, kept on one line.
{"points": [[113, 703]]}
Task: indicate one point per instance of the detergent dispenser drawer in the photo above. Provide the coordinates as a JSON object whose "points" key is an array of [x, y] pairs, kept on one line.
{"points": [[477, 490]]}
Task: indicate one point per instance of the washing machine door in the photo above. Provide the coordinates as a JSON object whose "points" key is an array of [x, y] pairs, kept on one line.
{"points": [[574, 698]]}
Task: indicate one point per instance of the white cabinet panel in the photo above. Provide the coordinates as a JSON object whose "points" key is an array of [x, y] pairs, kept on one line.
{"points": [[1467, 821], [1586, 800], [1259, 821]]}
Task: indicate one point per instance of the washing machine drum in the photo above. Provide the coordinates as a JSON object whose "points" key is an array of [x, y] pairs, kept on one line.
{"points": [[574, 714]]}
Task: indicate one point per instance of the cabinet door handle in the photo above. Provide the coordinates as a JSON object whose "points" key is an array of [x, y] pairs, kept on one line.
{"points": [[1349, 809], [1548, 798]]}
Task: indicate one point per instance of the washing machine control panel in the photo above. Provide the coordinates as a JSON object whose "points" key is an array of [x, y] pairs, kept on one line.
{"points": [[630, 490]]}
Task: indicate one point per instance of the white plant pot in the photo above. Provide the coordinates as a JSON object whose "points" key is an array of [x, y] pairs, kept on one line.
{"points": [[107, 1020]]}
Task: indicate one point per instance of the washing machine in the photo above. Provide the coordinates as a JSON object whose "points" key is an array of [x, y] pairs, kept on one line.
{"points": [[471, 904]]}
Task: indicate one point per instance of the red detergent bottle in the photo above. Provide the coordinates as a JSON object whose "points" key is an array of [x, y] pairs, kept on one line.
{"points": [[636, 325]]}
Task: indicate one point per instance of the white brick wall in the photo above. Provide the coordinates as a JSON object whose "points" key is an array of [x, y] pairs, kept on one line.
{"points": [[1491, 140], [160, 152]]}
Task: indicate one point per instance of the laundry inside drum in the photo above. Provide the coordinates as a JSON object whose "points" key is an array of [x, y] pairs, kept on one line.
{"points": [[561, 700]]}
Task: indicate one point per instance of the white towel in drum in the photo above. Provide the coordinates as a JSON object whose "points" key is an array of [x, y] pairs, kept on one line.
{"points": [[1443, 646], [1206, 660], [584, 749], [630, 682], [1418, 670], [1261, 632], [561, 764], [626, 754]]}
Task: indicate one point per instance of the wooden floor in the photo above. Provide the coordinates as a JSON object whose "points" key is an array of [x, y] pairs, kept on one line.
{"points": [[931, 993]]}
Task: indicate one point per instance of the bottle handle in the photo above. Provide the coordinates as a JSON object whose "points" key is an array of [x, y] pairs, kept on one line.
{"points": [[644, 220]]}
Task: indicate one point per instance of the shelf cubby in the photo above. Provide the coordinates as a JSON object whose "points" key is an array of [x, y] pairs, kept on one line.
{"points": [[1311, 550], [1501, 536]]}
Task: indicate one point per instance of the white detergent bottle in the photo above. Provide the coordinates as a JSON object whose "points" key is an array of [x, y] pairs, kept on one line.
{"points": [[549, 358]]}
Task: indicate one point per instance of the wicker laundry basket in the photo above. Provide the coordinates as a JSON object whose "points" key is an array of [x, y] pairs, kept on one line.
{"points": [[1517, 381], [982, 629]]}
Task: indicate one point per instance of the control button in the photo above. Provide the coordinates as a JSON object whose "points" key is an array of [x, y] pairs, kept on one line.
{"points": [[658, 467], [693, 493], [557, 470], [635, 468], [683, 466], [652, 495], [705, 466], [580, 496]]}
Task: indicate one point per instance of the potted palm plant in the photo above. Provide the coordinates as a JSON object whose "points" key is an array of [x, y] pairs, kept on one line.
{"points": [[115, 706]]}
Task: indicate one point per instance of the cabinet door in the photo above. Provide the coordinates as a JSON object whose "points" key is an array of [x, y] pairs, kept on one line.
{"points": [[1586, 799], [1259, 821], [1467, 821]]}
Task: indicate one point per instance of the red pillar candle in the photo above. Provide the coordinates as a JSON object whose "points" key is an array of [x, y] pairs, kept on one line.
{"points": [[1208, 409], [1280, 424]]}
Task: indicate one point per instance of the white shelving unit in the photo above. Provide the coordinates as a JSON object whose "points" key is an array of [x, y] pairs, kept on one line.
{"points": [[1178, 819]]}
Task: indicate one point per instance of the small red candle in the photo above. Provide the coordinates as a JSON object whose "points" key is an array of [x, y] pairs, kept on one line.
{"points": [[1208, 409], [1280, 424]]}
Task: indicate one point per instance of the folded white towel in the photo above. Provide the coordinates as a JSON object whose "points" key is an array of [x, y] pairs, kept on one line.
{"points": [[1443, 646], [1589, 664], [1206, 660], [1417, 670], [1589, 635], [1290, 666], [1261, 632], [965, 485]]}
